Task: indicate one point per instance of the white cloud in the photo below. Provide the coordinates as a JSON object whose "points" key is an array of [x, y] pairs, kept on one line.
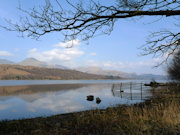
{"points": [[5, 53], [138, 67], [33, 50], [16, 50], [62, 56], [56, 54], [93, 54], [121, 65], [67, 44]]}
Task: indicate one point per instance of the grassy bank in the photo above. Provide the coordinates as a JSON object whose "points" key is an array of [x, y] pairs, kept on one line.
{"points": [[160, 115]]}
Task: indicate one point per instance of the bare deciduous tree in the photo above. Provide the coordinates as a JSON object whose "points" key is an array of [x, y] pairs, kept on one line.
{"points": [[174, 67], [88, 19]]}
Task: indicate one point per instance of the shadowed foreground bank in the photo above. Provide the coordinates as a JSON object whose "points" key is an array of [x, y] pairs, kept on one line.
{"points": [[160, 115]]}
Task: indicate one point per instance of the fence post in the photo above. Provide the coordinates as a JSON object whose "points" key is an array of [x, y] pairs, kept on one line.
{"points": [[112, 90], [121, 90], [112, 87], [141, 90], [131, 89]]}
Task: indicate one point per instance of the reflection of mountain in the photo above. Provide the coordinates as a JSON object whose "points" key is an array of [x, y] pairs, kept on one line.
{"points": [[34, 92], [44, 100], [33, 89]]}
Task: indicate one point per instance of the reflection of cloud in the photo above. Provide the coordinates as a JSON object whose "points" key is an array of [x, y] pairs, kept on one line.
{"points": [[58, 102], [4, 106], [55, 103], [69, 101], [95, 88]]}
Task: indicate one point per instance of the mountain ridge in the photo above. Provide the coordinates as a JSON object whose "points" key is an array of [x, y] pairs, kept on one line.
{"points": [[18, 72], [33, 62], [100, 71], [5, 61], [89, 70]]}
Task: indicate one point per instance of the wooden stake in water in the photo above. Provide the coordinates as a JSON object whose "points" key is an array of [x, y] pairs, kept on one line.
{"points": [[112, 90], [112, 87], [131, 89], [121, 90], [141, 90]]}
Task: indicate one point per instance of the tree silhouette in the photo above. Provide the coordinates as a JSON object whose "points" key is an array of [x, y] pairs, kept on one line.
{"points": [[87, 19], [174, 67]]}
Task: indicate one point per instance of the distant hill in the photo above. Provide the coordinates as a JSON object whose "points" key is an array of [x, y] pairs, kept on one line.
{"points": [[4, 61], [89, 70], [100, 71], [151, 76], [17, 72], [32, 62]]}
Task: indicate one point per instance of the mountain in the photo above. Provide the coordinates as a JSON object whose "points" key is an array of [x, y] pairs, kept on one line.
{"points": [[90, 70], [33, 62], [151, 76], [37, 63], [100, 71], [4, 61], [17, 72]]}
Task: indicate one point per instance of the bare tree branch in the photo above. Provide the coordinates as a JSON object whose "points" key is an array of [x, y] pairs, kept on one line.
{"points": [[86, 20]]}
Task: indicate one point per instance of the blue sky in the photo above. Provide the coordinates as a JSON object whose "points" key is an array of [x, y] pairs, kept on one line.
{"points": [[118, 51]]}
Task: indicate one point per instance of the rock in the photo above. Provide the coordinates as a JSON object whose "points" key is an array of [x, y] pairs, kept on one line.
{"points": [[90, 98], [98, 100]]}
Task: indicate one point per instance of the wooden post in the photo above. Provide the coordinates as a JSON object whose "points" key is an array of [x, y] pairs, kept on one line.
{"points": [[141, 90], [131, 89], [121, 90], [112, 87], [153, 87], [112, 90]]}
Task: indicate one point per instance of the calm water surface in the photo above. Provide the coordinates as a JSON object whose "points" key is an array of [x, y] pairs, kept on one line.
{"points": [[29, 99]]}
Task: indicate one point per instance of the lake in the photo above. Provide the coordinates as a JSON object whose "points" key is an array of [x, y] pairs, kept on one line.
{"points": [[34, 98]]}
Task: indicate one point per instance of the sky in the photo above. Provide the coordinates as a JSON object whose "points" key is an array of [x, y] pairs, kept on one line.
{"points": [[117, 51]]}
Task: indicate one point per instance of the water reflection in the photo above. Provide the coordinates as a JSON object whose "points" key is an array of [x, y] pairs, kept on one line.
{"points": [[44, 100]]}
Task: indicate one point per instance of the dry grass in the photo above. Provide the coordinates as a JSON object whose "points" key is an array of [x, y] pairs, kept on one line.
{"points": [[6, 69], [160, 115]]}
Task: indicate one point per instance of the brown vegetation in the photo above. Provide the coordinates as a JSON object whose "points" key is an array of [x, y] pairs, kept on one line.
{"points": [[16, 72]]}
